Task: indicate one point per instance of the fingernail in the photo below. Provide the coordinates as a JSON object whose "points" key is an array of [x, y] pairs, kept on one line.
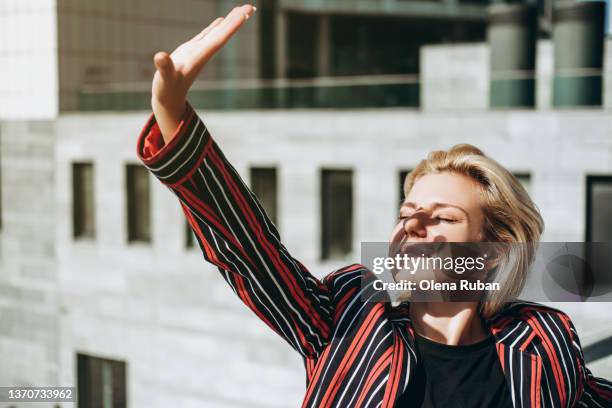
{"points": [[246, 16], [254, 8]]}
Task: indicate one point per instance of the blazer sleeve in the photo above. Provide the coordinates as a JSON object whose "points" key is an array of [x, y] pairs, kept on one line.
{"points": [[235, 234], [593, 391]]}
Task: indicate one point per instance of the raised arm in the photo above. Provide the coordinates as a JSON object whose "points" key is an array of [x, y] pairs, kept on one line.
{"points": [[230, 225]]}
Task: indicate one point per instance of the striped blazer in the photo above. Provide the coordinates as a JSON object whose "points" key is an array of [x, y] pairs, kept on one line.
{"points": [[356, 353]]}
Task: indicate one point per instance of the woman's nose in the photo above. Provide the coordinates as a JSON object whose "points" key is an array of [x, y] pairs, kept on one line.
{"points": [[416, 226]]}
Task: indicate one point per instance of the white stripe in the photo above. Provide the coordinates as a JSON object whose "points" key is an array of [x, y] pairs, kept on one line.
{"points": [[573, 384], [510, 332], [176, 154], [552, 404], [411, 355], [593, 399], [253, 292], [383, 382], [273, 304], [195, 151], [366, 353], [342, 337], [543, 319], [271, 275], [511, 358], [602, 384], [510, 351]]}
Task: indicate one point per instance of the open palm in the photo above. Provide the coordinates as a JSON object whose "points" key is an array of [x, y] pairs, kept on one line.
{"points": [[177, 71]]}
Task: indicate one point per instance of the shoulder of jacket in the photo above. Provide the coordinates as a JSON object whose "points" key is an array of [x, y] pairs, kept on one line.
{"points": [[347, 275], [534, 313], [355, 280], [520, 308]]}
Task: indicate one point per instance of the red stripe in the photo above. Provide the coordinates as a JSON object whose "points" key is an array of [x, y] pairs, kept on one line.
{"points": [[539, 380], [242, 292], [196, 166], [351, 353], [380, 365], [152, 130], [317, 374], [535, 381], [395, 374], [208, 213], [308, 365], [342, 304], [210, 253], [271, 251], [605, 394], [552, 354], [502, 355], [527, 341]]}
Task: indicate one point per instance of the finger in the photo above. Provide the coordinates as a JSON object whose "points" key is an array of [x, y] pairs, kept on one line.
{"points": [[217, 37], [163, 63], [233, 21], [205, 31], [239, 14]]}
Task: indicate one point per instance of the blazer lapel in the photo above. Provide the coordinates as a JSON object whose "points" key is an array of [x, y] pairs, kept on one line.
{"points": [[404, 358], [521, 366]]}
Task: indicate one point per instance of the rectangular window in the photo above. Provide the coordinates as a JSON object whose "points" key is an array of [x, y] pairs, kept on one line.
{"points": [[101, 382], [83, 206], [401, 178], [599, 209], [189, 236], [264, 186], [138, 203], [525, 180], [336, 213]]}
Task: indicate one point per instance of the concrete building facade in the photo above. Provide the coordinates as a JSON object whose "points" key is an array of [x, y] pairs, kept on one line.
{"points": [[154, 308]]}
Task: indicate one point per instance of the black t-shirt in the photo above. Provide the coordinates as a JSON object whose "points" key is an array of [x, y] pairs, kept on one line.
{"points": [[456, 376]]}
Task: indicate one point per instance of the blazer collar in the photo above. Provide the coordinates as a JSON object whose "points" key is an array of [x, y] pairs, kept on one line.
{"points": [[514, 338]]}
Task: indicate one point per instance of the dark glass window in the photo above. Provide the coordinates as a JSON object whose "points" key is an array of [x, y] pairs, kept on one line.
{"points": [[189, 236], [599, 209], [264, 186], [336, 213], [401, 178], [138, 203], [101, 382], [83, 206], [525, 180]]}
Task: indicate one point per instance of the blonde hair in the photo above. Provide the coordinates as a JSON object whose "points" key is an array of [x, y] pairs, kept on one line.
{"points": [[510, 216]]}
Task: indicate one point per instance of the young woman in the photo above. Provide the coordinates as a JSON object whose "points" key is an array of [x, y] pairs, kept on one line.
{"points": [[499, 353]]}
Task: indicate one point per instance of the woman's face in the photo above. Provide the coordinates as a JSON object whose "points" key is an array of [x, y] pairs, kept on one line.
{"points": [[443, 207]]}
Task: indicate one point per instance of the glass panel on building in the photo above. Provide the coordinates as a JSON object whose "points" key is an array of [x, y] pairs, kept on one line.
{"points": [[401, 177], [599, 209], [336, 213], [83, 206], [189, 235], [101, 382], [264, 186], [525, 180], [138, 203]]}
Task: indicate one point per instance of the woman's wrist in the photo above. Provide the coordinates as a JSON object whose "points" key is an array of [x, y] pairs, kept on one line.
{"points": [[168, 117]]}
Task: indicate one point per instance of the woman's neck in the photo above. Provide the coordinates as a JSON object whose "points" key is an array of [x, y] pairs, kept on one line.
{"points": [[452, 323]]}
